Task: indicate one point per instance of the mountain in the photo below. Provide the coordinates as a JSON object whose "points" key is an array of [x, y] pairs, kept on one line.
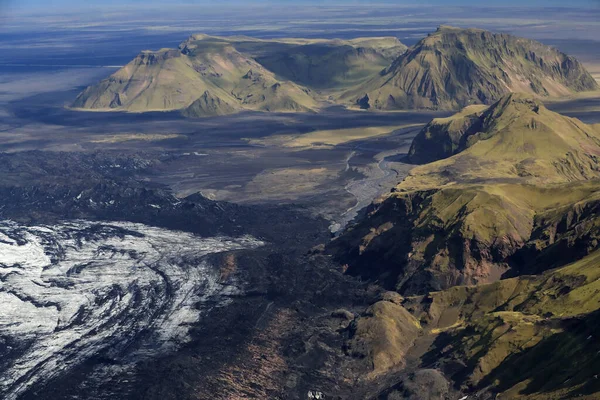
{"points": [[452, 68], [214, 73], [208, 105], [208, 75], [495, 245], [516, 139], [449, 69], [523, 192]]}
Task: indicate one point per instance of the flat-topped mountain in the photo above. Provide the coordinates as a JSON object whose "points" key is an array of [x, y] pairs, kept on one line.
{"points": [[333, 64], [452, 68], [208, 75]]}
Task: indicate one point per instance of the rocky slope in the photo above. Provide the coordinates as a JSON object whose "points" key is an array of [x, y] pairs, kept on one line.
{"points": [[532, 337], [208, 76], [453, 68]]}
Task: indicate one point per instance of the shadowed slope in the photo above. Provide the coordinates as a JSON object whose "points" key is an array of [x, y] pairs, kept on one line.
{"points": [[333, 64]]}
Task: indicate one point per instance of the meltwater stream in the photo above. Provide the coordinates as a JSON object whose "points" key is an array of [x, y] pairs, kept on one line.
{"points": [[81, 289]]}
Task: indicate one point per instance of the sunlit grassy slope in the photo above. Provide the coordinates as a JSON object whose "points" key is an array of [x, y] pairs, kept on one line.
{"points": [[530, 337], [515, 140]]}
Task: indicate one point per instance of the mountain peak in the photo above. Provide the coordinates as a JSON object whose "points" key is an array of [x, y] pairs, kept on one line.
{"points": [[208, 105]]}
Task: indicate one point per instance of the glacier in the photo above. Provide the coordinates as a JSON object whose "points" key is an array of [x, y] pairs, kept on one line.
{"points": [[82, 289]]}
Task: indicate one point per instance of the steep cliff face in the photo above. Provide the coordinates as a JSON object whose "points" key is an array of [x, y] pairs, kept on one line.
{"points": [[453, 68], [466, 235], [443, 137]]}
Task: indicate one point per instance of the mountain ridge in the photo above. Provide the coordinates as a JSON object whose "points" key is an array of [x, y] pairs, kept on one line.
{"points": [[449, 69]]}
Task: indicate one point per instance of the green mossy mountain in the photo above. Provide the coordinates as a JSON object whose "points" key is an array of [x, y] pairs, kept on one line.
{"points": [[208, 76], [495, 246], [521, 131], [522, 193], [516, 139], [453, 68]]}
